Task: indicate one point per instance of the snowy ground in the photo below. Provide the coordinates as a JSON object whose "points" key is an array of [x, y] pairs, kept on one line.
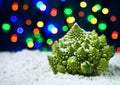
{"points": [[32, 68]]}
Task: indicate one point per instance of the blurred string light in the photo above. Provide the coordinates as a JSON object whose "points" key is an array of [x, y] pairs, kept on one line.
{"points": [[38, 37], [20, 30], [49, 41], [105, 10], [14, 38], [53, 12], [25, 7], [67, 11], [40, 24], [113, 18], [96, 8], [93, 21], [6, 27], [29, 42], [36, 31], [29, 39], [118, 49], [83, 4], [40, 5], [102, 26], [65, 28], [30, 45], [70, 20], [90, 17], [114, 35], [13, 18], [28, 22], [15, 6], [37, 44], [52, 29], [81, 13]]}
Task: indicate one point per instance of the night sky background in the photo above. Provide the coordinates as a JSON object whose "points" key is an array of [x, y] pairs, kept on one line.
{"points": [[36, 24]]}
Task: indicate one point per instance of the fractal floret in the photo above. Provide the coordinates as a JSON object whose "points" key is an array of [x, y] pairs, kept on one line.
{"points": [[81, 52]]}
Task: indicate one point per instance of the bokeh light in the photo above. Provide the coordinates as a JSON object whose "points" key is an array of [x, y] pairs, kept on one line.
{"points": [[96, 8], [53, 12], [36, 31], [40, 24], [49, 41], [20, 30], [14, 38], [28, 22], [65, 28], [37, 44], [54, 30], [41, 6], [93, 21], [15, 6], [81, 13], [118, 49], [102, 26], [113, 18], [25, 7], [13, 18], [83, 4], [90, 17], [29, 39], [114, 35], [67, 11], [70, 20], [105, 10], [6, 27], [30, 44]]}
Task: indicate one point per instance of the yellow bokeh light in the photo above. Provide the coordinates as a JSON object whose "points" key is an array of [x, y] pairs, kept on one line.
{"points": [[94, 9], [83, 4], [93, 21], [70, 20], [30, 44], [105, 10], [40, 24]]}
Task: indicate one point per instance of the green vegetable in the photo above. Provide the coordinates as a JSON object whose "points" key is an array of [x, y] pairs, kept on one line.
{"points": [[81, 52]]}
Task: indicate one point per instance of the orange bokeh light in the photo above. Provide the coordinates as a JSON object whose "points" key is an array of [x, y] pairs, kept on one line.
{"points": [[25, 7], [36, 31], [28, 22], [114, 35], [53, 12], [15, 6], [14, 38]]}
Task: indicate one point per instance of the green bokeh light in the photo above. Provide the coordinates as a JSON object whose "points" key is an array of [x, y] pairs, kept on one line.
{"points": [[65, 28], [6, 27], [29, 40], [98, 6], [102, 26], [68, 11], [89, 18], [49, 41], [40, 39]]}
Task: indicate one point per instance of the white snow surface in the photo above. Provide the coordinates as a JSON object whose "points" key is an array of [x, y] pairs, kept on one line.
{"points": [[28, 67]]}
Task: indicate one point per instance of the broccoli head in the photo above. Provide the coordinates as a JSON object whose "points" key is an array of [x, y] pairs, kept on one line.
{"points": [[81, 52]]}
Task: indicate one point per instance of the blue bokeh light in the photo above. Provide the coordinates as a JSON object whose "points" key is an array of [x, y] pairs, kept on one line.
{"points": [[37, 44], [20, 30], [13, 18]]}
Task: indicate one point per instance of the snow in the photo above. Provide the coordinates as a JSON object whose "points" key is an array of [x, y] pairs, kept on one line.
{"points": [[31, 68]]}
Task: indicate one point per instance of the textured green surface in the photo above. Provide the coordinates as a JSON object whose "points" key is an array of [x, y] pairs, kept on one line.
{"points": [[81, 52]]}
